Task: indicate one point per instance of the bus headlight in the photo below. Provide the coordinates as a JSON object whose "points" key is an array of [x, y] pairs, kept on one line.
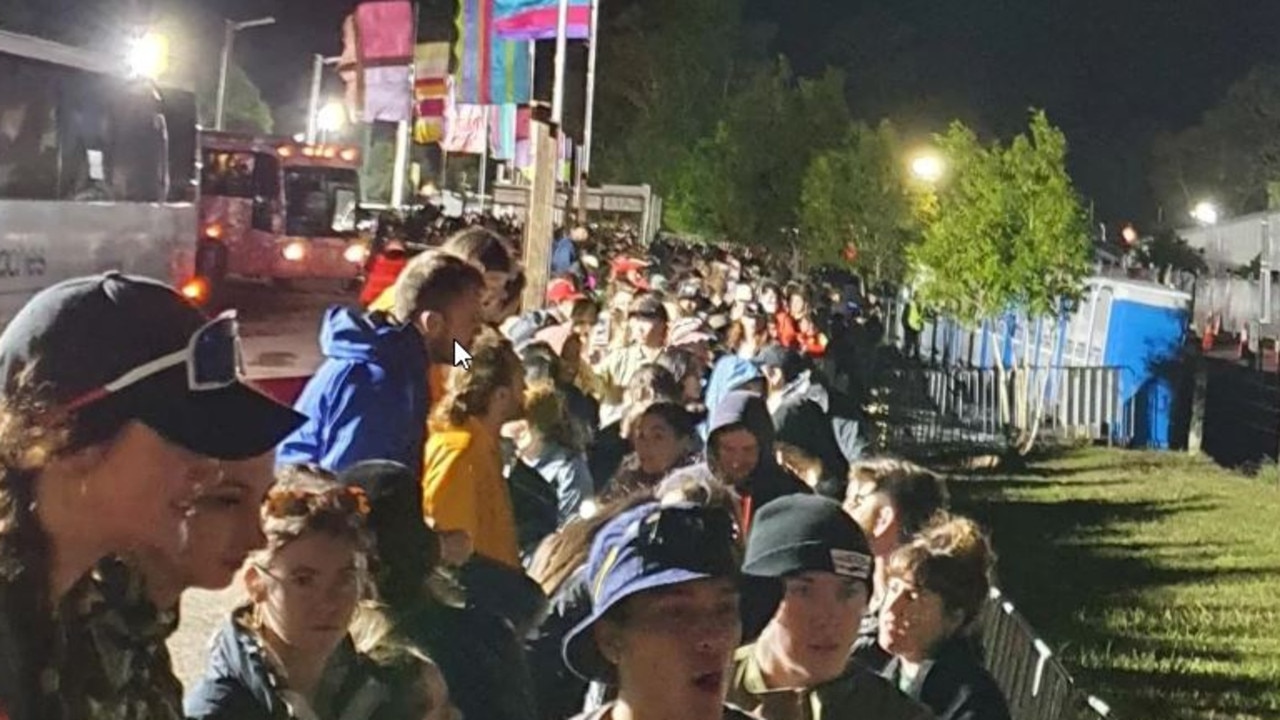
{"points": [[295, 251], [356, 254]]}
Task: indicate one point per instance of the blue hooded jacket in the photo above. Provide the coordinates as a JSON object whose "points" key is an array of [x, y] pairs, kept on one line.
{"points": [[368, 400], [729, 373]]}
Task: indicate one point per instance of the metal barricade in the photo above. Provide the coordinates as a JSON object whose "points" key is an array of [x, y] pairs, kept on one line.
{"points": [[1035, 683]]}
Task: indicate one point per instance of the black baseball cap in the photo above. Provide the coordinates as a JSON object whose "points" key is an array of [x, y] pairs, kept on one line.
{"points": [[80, 336], [650, 307], [786, 359]]}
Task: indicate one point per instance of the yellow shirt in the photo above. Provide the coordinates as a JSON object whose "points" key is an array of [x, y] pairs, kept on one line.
{"points": [[463, 489], [386, 300]]}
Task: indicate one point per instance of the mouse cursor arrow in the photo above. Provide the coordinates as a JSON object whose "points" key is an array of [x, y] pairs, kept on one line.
{"points": [[461, 358]]}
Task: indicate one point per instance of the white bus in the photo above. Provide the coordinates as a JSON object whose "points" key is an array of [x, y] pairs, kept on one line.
{"points": [[97, 171]]}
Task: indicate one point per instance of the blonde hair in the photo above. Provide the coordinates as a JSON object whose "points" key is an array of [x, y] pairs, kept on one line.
{"points": [[548, 418], [953, 558]]}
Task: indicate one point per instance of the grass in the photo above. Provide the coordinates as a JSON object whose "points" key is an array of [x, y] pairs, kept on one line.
{"points": [[1156, 577]]}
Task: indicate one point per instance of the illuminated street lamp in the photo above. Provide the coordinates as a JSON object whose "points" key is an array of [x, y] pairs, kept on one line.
{"points": [[331, 117], [928, 167], [1205, 213], [148, 55]]}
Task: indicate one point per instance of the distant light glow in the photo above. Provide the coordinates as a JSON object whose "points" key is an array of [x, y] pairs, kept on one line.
{"points": [[928, 167], [148, 55], [331, 118], [1130, 234], [1206, 212]]}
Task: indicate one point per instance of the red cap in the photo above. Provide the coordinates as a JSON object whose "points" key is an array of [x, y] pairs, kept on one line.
{"points": [[562, 290]]}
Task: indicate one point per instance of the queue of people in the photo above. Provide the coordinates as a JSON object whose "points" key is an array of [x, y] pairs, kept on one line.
{"points": [[646, 499]]}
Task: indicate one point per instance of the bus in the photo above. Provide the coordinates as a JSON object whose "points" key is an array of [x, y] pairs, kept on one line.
{"points": [[279, 210], [97, 171]]}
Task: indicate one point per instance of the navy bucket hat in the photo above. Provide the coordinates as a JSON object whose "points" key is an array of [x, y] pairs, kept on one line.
{"points": [[649, 547]]}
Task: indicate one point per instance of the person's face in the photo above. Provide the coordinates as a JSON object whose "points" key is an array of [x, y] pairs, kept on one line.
{"points": [[308, 592], [143, 487], [874, 514], [799, 306], [510, 400], [672, 647], [586, 326], [225, 525], [658, 447], [769, 300], [691, 385], [752, 327], [494, 300], [460, 321], [688, 306], [773, 376], [737, 453], [648, 332], [817, 622], [571, 358], [914, 619]]}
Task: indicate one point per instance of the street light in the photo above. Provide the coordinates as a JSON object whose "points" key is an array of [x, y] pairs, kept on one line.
{"points": [[331, 118], [227, 41], [1206, 213], [928, 167], [148, 55]]}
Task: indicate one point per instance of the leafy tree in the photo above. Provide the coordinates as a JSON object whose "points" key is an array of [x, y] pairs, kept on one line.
{"points": [[246, 111], [1007, 233], [1232, 155], [1167, 253], [743, 182], [856, 194]]}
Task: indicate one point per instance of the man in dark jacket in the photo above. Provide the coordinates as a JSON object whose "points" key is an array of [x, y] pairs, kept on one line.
{"points": [[370, 398], [740, 452]]}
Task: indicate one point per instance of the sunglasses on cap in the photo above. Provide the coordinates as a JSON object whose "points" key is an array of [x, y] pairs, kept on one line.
{"points": [[700, 539], [212, 358]]}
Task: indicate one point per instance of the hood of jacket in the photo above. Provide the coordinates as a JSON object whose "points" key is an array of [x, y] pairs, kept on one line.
{"points": [[352, 335], [729, 373]]}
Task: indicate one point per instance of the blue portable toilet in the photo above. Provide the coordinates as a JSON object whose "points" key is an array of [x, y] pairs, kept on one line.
{"points": [[1144, 331]]}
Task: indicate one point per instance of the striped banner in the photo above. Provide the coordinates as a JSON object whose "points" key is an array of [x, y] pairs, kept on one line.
{"points": [[539, 19], [430, 88], [492, 71]]}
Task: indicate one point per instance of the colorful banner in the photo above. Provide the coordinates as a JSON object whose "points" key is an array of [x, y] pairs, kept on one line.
{"points": [[385, 29], [492, 71], [464, 127], [539, 19], [387, 94], [430, 90]]}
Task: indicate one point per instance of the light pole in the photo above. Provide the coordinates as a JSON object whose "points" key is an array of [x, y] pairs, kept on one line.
{"points": [[228, 40], [313, 105]]}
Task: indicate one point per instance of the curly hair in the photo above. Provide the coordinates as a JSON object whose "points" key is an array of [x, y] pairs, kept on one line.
{"points": [[548, 418], [953, 558], [308, 499], [33, 434], [494, 366]]}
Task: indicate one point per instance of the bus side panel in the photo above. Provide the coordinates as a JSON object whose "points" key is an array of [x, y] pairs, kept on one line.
{"points": [[153, 240]]}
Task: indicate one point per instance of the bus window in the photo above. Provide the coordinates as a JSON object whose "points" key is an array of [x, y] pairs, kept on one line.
{"points": [[180, 125], [266, 186], [139, 163], [28, 129], [319, 200], [228, 174]]}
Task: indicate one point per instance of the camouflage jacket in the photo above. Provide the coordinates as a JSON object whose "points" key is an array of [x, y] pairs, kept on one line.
{"points": [[110, 661]]}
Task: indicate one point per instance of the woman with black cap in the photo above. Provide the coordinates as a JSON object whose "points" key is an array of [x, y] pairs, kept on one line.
{"points": [[664, 619], [808, 576]]}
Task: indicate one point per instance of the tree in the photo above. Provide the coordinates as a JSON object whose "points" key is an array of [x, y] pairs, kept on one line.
{"points": [[246, 111], [742, 183], [1232, 155], [856, 194], [1007, 234], [1168, 254]]}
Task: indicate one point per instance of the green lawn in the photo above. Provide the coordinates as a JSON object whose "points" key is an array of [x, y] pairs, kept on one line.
{"points": [[1156, 577]]}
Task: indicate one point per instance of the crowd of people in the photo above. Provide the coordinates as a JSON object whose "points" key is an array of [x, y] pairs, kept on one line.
{"points": [[651, 498]]}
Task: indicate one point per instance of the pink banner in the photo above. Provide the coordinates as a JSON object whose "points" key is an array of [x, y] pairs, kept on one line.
{"points": [[386, 31]]}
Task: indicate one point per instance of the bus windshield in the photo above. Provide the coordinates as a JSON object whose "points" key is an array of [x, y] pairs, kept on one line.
{"points": [[321, 202]]}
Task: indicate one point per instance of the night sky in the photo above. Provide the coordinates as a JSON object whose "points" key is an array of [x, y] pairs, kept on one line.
{"points": [[1112, 73]]}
